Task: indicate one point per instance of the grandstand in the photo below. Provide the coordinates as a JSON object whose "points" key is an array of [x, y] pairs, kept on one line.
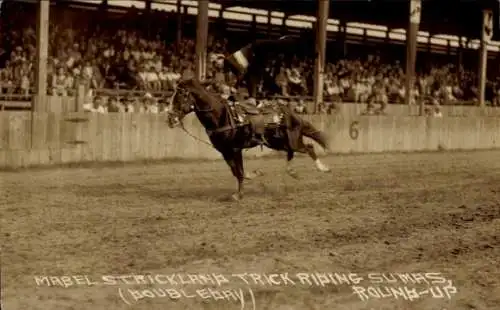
{"points": [[139, 48]]}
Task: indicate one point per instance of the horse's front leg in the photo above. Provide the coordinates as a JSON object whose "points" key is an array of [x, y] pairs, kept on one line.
{"points": [[234, 159], [289, 168]]}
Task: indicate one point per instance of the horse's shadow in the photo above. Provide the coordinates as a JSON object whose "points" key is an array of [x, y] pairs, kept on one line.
{"points": [[206, 192], [162, 193]]}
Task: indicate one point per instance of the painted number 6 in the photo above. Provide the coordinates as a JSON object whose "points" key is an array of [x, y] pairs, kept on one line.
{"points": [[353, 130]]}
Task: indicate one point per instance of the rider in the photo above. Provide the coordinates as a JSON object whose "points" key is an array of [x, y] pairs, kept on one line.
{"points": [[249, 64]]}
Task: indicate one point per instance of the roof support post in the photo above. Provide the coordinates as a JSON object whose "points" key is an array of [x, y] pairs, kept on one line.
{"points": [[460, 53], [319, 65], [42, 51], [486, 34], [269, 25], [201, 40], [254, 26], [39, 102], [411, 50], [283, 29], [179, 9]]}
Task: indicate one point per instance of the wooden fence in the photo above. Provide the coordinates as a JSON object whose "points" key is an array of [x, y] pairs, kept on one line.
{"points": [[32, 139]]}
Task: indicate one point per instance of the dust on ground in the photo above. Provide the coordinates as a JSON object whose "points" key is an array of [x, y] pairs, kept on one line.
{"points": [[397, 213]]}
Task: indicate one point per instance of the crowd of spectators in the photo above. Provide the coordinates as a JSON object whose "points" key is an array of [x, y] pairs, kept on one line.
{"points": [[121, 55]]}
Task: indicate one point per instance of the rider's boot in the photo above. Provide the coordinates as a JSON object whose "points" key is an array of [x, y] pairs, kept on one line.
{"points": [[257, 138]]}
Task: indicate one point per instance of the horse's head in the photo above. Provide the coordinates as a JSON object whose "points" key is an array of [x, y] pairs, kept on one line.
{"points": [[182, 103]]}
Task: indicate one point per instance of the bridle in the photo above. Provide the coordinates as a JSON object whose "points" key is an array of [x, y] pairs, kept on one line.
{"points": [[186, 93], [192, 107]]}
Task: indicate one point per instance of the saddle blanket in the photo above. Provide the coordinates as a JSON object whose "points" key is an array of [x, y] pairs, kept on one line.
{"points": [[257, 117]]}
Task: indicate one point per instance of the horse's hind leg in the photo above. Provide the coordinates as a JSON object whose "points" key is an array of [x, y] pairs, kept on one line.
{"points": [[309, 149]]}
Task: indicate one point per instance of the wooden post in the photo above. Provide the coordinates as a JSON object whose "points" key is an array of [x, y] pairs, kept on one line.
{"points": [[411, 50], [319, 67], [42, 56], [283, 29], [179, 22], [254, 26], [460, 53], [343, 40], [80, 97], [486, 34], [39, 101], [201, 40], [148, 16], [269, 24]]}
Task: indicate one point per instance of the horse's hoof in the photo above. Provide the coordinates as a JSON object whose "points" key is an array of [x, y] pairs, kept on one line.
{"points": [[322, 167], [293, 174], [258, 173], [236, 196], [254, 174], [250, 176]]}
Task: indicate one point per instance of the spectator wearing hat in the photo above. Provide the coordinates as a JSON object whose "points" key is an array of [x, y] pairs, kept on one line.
{"points": [[153, 107], [282, 81], [437, 112], [301, 107], [153, 79], [114, 105], [59, 82], [100, 106], [333, 88], [171, 77], [129, 104]]}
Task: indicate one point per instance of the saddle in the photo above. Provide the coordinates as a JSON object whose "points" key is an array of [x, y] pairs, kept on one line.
{"points": [[253, 110], [258, 118], [249, 109]]}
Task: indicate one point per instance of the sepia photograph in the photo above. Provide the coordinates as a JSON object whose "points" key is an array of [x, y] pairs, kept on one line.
{"points": [[250, 154]]}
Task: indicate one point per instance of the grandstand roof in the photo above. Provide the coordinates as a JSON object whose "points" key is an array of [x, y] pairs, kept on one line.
{"points": [[463, 18]]}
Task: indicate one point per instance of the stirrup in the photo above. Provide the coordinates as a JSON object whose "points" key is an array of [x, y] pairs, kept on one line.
{"points": [[262, 140], [258, 141]]}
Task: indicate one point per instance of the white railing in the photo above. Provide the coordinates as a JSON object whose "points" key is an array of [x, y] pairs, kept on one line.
{"points": [[301, 21]]}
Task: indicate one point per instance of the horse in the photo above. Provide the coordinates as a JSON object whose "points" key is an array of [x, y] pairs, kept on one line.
{"points": [[230, 128]]}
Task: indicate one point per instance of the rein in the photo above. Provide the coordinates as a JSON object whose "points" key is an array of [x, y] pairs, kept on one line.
{"points": [[193, 136], [209, 132]]}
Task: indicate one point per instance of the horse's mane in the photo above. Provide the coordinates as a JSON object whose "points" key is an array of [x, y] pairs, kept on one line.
{"points": [[199, 89]]}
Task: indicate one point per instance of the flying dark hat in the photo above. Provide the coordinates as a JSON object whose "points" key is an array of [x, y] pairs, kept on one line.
{"points": [[240, 60], [256, 53]]}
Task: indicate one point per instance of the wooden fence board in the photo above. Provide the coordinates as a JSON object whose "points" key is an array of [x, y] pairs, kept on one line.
{"points": [[126, 137], [4, 131], [19, 131], [3, 158], [113, 130], [43, 156], [39, 130], [53, 130], [146, 136], [98, 138]]}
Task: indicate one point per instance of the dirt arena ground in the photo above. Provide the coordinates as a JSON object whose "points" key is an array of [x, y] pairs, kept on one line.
{"points": [[414, 217]]}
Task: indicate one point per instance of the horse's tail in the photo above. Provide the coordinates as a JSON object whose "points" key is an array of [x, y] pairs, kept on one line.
{"points": [[318, 136]]}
